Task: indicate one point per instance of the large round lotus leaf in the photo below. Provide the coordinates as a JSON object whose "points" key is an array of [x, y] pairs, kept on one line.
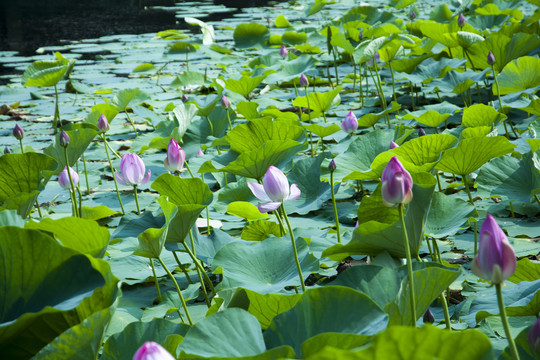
{"points": [[519, 75], [250, 35], [232, 332], [47, 289], [328, 309], [265, 267]]}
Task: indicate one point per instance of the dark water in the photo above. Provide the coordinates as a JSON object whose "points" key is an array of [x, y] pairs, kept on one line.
{"points": [[26, 25]]}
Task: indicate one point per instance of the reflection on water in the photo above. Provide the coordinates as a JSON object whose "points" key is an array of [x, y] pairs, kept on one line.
{"points": [[29, 24]]}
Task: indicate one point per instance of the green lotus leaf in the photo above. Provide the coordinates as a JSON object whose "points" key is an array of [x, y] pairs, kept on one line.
{"points": [[264, 307], [181, 47], [80, 139], [317, 6], [405, 342], [82, 235], [127, 97], [259, 230], [46, 73], [318, 101], [472, 153], [324, 310], [459, 82], [294, 38], [144, 67], [247, 110], [526, 270], [439, 32], [245, 210], [429, 118], [366, 50], [183, 191], [481, 115], [447, 215], [189, 79], [250, 35], [123, 345], [266, 267], [282, 22], [371, 119], [42, 299], [245, 85], [373, 236], [292, 70], [321, 130], [316, 345], [519, 75]]}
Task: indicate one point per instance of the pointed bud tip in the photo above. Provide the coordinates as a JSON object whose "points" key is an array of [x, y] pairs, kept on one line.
{"points": [[18, 132], [332, 165], [103, 124], [461, 20], [490, 58], [64, 139], [304, 80], [429, 317]]}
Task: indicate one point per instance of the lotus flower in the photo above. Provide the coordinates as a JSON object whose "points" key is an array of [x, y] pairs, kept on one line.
{"points": [[7, 150], [152, 351], [103, 124], [421, 132], [64, 139], [132, 169], [18, 132], [332, 165], [283, 52], [496, 260], [275, 190], [63, 178], [396, 184], [225, 103], [429, 318], [304, 80], [461, 20], [393, 145], [412, 15], [174, 162], [350, 124], [490, 58], [534, 336]]}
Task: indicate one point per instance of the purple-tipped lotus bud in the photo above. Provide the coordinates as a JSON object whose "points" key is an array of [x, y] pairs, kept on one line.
{"points": [[175, 157], [495, 260], [103, 124], [396, 184], [421, 132], [152, 351], [350, 124], [393, 145], [188, 48], [332, 165], [132, 169], [64, 139], [534, 336], [412, 15], [490, 58], [304, 80], [283, 52], [184, 98], [461, 20], [225, 103], [200, 152], [18, 132], [6, 150], [376, 57], [361, 35], [63, 178], [428, 317]]}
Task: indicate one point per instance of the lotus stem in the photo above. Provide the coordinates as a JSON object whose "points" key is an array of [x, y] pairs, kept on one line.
{"points": [[136, 200], [113, 174], [85, 175], [335, 65], [73, 199], [444, 305], [409, 265], [229, 118], [295, 252], [211, 127], [155, 279], [199, 266], [131, 122], [203, 286], [361, 88], [465, 182], [182, 267], [56, 110], [336, 217], [184, 305], [504, 320], [354, 78], [190, 173], [393, 81]]}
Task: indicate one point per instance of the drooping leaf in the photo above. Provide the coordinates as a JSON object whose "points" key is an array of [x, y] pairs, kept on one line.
{"points": [[250, 35]]}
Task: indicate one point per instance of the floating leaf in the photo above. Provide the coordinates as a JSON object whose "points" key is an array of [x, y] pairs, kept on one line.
{"points": [[250, 35], [245, 210], [259, 230], [481, 115]]}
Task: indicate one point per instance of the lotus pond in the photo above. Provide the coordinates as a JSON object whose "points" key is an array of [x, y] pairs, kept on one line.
{"points": [[311, 180]]}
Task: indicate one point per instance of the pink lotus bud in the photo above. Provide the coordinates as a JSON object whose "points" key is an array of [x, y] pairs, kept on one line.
{"points": [[304, 80], [188, 48], [490, 58], [350, 124], [283, 52], [225, 103], [152, 351], [63, 178], [412, 15], [461, 20], [103, 124], [64, 139], [496, 260], [275, 189], [184, 98], [132, 169], [361, 35], [393, 145], [200, 152], [6, 150], [421, 132], [332, 165], [18, 132], [175, 157], [534, 336], [396, 184]]}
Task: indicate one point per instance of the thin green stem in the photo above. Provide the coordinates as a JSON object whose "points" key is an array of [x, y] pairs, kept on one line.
{"points": [[438, 180], [409, 265], [136, 200], [361, 88], [203, 286], [73, 199], [211, 126], [295, 252], [22, 148], [182, 267], [229, 118], [336, 217], [155, 279], [354, 74], [504, 320], [466, 184], [184, 305], [189, 170], [208, 219], [113, 174], [308, 110], [56, 109], [199, 266], [444, 305], [85, 175], [131, 122], [335, 65], [393, 81]]}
